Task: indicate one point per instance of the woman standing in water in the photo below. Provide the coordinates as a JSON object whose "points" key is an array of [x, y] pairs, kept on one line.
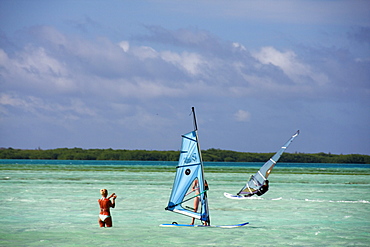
{"points": [[105, 203]]}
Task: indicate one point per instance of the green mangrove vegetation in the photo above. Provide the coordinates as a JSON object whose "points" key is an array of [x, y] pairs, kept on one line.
{"points": [[215, 155]]}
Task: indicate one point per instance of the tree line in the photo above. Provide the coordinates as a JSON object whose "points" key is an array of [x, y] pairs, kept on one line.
{"points": [[214, 155]]}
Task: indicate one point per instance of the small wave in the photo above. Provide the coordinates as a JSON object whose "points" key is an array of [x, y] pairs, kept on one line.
{"points": [[11, 199], [340, 201], [359, 201], [277, 199], [256, 198], [309, 200]]}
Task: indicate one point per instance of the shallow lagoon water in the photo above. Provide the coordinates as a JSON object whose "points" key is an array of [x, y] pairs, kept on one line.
{"points": [[54, 203]]}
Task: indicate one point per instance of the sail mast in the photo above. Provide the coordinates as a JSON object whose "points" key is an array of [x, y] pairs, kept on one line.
{"points": [[196, 132], [195, 119], [203, 196]]}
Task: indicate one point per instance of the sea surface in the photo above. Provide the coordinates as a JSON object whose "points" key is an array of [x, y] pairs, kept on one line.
{"points": [[54, 203]]}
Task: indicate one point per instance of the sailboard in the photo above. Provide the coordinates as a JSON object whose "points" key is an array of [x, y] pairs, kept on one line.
{"points": [[190, 187], [258, 183], [174, 224]]}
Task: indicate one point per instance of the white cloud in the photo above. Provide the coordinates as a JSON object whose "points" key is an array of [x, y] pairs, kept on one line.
{"points": [[285, 60], [290, 64], [239, 46], [33, 67], [144, 52], [190, 62], [40, 106], [242, 116], [125, 45], [116, 71], [10, 100], [3, 58], [50, 35]]}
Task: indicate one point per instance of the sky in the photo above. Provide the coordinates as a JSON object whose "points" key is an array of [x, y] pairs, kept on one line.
{"points": [[125, 74]]}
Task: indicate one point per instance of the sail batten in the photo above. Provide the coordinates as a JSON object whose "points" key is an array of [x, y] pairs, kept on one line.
{"points": [[187, 165], [259, 172]]}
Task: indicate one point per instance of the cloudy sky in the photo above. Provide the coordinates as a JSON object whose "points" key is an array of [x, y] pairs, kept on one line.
{"points": [[125, 74]]}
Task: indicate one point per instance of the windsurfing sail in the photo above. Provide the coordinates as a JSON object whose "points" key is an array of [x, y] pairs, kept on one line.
{"points": [[189, 184], [258, 183]]}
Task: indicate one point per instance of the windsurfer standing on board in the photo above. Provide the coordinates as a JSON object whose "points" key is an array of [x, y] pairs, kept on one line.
{"points": [[196, 199], [105, 203], [263, 189], [259, 191]]}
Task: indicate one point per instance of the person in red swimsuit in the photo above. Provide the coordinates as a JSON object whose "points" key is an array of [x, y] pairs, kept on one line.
{"points": [[105, 203]]}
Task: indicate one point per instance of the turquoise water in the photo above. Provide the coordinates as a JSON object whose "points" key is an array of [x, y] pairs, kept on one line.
{"points": [[54, 203]]}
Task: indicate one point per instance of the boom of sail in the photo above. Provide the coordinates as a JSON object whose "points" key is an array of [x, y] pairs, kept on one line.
{"points": [[258, 183], [189, 183]]}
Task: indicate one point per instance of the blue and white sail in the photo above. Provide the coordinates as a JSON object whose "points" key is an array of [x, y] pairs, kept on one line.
{"points": [[188, 172], [258, 183]]}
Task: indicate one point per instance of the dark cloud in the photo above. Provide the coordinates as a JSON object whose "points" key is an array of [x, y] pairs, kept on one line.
{"points": [[84, 25], [360, 34], [184, 38]]}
